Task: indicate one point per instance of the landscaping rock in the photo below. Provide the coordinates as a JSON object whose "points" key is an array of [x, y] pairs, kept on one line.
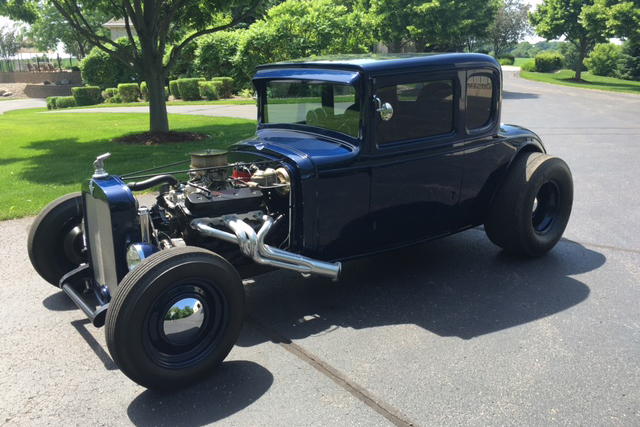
{"points": [[2, 91], [46, 82], [7, 94], [65, 82]]}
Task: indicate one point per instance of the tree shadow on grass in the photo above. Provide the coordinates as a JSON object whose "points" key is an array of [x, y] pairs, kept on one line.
{"points": [[68, 161], [462, 286], [5, 162]]}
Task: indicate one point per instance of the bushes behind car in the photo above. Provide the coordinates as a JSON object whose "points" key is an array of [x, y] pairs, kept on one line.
{"points": [[603, 59], [173, 89], [66, 102], [189, 89], [51, 102], [210, 90], [227, 86], [88, 95], [548, 62], [129, 92], [528, 66]]}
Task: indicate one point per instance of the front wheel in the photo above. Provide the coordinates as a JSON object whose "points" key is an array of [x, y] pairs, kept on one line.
{"points": [[175, 317], [55, 243], [531, 208]]}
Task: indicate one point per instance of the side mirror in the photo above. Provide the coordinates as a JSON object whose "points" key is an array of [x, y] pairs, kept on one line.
{"points": [[385, 110]]}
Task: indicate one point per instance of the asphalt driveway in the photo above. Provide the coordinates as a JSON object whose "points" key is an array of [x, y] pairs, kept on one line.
{"points": [[449, 333]]}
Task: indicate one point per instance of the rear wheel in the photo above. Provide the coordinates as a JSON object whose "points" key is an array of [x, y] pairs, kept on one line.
{"points": [[175, 317], [531, 209], [55, 242]]}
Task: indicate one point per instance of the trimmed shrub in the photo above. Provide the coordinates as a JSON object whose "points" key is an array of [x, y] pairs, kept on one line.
{"points": [[506, 61], [100, 69], [144, 91], [173, 89], [528, 66], [66, 102], [166, 93], [51, 102], [603, 59], [115, 99], [189, 88], [210, 90], [548, 62], [109, 93], [227, 86], [129, 92], [88, 95]]}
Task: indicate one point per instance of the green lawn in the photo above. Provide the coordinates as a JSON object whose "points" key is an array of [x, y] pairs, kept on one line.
{"points": [[43, 156], [564, 77], [520, 61]]}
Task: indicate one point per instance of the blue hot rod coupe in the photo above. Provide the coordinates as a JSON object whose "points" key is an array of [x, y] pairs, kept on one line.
{"points": [[353, 155]]}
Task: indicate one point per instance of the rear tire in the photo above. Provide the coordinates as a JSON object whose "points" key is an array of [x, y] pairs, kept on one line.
{"points": [[151, 341], [531, 208], [55, 244]]}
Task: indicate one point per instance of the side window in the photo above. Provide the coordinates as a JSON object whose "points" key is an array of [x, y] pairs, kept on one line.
{"points": [[420, 109], [479, 101]]}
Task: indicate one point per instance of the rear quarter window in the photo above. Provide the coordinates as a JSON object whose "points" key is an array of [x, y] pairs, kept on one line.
{"points": [[480, 93]]}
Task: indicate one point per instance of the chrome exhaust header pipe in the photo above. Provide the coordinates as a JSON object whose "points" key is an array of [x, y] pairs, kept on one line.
{"points": [[252, 245]]}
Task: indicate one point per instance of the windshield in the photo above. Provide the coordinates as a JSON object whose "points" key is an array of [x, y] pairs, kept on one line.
{"points": [[323, 105]]}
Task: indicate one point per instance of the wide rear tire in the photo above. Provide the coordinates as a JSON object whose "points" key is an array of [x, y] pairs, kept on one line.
{"points": [[531, 208], [55, 243], [150, 336]]}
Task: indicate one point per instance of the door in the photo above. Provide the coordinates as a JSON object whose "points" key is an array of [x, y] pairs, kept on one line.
{"points": [[416, 158]]}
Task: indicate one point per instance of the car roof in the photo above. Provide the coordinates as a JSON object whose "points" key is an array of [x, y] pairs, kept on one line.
{"points": [[366, 63]]}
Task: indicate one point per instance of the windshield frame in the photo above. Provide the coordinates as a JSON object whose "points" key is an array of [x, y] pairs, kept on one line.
{"points": [[312, 76]]}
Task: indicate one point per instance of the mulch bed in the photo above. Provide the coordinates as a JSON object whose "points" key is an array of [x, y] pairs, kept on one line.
{"points": [[160, 138]]}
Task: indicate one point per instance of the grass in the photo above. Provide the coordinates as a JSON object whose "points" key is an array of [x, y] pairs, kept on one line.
{"points": [[565, 78], [44, 156], [520, 61]]}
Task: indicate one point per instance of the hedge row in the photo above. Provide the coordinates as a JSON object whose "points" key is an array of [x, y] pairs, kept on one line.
{"points": [[87, 95], [210, 90], [193, 89], [547, 62], [66, 102]]}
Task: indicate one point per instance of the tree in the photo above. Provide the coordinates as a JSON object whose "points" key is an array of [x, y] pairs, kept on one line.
{"points": [[437, 25], [622, 17], [299, 28], [510, 25], [160, 25], [10, 43], [563, 18], [19, 10], [51, 28]]}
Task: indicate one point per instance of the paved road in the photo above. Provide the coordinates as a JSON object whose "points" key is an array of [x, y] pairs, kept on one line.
{"points": [[21, 104], [450, 333]]}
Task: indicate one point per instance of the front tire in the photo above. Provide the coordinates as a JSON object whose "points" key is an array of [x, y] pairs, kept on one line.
{"points": [[531, 208], [55, 242], [148, 334]]}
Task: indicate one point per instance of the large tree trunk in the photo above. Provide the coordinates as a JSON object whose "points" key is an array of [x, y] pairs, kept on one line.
{"points": [[158, 119], [581, 55]]}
